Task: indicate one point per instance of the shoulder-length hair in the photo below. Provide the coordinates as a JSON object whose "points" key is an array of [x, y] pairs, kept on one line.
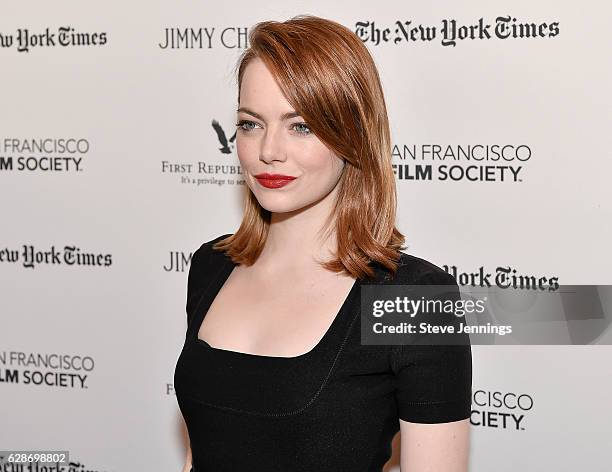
{"points": [[327, 74]]}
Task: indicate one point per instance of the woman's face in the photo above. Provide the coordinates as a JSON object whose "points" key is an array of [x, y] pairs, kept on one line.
{"points": [[273, 139]]}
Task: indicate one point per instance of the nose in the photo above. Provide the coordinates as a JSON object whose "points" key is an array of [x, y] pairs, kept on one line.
{"points": [[272, 146]]}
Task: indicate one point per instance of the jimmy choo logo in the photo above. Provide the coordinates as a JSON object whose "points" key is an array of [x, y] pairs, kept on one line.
{"points": [[231, 37], [178, 262], [451, 31]]}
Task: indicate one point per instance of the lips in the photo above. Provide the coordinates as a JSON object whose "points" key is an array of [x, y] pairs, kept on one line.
{"points": [[274, 180]]}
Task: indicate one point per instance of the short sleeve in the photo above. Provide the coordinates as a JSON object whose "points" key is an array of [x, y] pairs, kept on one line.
{"points": [[198, 275], [433, 383], [193, 278]]}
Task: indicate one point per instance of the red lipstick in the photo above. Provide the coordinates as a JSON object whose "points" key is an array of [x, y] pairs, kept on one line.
{"points": [[273, 180]]}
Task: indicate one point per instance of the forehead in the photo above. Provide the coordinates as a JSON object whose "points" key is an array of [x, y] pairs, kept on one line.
{"points": [[260, 90]]}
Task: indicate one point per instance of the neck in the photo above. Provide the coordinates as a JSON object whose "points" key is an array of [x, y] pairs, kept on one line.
{"points": [[297, 239]]}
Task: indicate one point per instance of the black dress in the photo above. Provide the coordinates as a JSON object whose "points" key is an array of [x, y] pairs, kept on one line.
{"points": [[332, 409]]}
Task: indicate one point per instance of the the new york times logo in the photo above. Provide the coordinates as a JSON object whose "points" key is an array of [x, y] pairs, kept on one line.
{"points": [[505, 277], [451, 31], [65, 36], [31, 257]]}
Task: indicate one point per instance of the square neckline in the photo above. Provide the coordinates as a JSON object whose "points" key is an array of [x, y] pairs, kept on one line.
{"points": [[214, 288]]}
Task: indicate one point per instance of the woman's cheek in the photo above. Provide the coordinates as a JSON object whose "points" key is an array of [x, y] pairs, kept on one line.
{"points": [[245, 150]]}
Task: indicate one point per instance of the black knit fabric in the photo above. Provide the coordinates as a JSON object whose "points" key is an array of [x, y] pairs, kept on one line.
{"points": [[334, 408]]}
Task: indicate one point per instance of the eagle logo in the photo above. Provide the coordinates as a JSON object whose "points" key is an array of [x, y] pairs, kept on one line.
{"points": [[225, 144]]}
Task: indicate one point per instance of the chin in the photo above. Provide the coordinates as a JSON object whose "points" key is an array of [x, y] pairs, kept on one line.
{"points": [[276, 206], [285, 203]]}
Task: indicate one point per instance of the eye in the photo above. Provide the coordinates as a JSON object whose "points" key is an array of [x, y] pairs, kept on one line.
{"points": [[301, 128], [245, 125]]}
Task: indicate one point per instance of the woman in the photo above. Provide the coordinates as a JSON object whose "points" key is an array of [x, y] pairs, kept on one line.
{"points": [[273, 375]]}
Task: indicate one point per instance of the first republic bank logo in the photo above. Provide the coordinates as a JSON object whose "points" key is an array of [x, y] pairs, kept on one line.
{"points": [[209, 173], [227, 145]]}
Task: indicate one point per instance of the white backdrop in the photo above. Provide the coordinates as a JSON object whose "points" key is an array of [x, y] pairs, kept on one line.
{"points": [[142, 182]]}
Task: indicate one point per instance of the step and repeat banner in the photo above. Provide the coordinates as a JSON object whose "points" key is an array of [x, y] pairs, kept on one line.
{"points": [[117, 160]]}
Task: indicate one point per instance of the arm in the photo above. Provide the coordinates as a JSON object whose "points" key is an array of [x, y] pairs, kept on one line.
{"points": [[434, 396], [187, 467], [440, 447]]}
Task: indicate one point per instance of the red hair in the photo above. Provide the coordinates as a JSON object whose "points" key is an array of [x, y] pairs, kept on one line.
{"points": [[328, 75]]}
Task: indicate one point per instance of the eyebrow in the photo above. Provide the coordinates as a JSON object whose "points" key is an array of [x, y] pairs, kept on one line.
{"points": [[284, 116]]}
